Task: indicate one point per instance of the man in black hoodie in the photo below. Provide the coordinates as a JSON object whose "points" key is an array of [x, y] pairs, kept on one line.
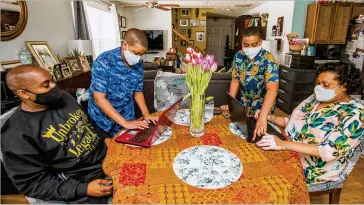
{"points": [[50, 151]]}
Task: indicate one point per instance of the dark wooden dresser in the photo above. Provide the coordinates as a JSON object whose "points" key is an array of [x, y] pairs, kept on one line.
{"points": [[295, 85]]}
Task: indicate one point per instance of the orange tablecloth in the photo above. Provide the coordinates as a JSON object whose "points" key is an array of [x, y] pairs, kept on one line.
{"points": [[145, 175]]}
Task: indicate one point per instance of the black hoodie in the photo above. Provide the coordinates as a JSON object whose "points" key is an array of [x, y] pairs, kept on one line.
{"points": [[52, 155]]}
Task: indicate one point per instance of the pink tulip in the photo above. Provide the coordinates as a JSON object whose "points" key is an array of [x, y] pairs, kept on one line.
{"points": [[190, 50], [210, 59], [188, 58], [213, 67], [193, 61]]}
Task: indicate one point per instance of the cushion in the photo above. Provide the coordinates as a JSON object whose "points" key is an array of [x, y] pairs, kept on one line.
{"points": [[168, 88]]}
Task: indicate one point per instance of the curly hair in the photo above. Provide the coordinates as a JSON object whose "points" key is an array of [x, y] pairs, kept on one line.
{"points": [[346, 74]]}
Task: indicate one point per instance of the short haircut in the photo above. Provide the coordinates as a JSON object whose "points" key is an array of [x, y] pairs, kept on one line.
{"points": [[251, 31], [20, 77], [134, 36]]}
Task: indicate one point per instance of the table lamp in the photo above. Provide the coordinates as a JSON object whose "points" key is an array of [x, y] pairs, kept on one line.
{"points": [[83, 46]]}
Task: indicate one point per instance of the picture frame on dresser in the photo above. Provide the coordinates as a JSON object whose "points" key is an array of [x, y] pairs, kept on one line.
{"points": [[43, 53], [65, 70], [7, 65], [74, 65], [84, 63]]}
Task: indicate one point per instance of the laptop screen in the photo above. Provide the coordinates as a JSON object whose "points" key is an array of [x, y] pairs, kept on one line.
{"points": [[166, 120]]}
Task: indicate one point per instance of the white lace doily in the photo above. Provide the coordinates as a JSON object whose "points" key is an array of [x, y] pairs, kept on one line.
{"points": [[183, 117], [207, 167]]}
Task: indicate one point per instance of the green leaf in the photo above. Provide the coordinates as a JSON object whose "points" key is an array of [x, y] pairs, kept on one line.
{"points": [[358, 133], [209, 98], [186, 96], [304, 128], [353, 126], [317, 122], [328, 127], [341, 140], [308, 136], [314, 117], [330, 113]]}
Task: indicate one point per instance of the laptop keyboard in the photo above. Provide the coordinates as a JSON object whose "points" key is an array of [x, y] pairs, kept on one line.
{"points": [[144, 135]]}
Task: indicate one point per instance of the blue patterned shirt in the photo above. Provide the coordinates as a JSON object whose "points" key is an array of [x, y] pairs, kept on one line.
{"points": [[253, 78], [111, 76]]}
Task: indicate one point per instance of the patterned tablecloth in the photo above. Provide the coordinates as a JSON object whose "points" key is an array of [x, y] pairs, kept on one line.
{"points": [[146, 175]]}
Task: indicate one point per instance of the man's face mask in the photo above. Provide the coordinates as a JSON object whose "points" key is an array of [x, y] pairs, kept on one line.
{"points": [[130, 57], [51, 98]]}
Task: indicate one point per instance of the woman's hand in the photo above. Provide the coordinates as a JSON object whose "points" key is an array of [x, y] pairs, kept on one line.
{"points": [[260, 126], [270, 142]]}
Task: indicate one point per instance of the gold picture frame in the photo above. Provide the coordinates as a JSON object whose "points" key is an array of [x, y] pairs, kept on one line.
{"points": [[84, 63], [43, 53], [65, 70], [7, 65], [74, 65]]}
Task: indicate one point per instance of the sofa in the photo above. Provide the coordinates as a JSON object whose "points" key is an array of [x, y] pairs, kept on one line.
{"points": [[219, 84]]}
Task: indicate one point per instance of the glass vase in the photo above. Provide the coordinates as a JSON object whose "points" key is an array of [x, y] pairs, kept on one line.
{"points": [[197, 115]]}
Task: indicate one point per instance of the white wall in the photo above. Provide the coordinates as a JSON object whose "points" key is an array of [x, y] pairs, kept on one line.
{"points": [[47, 21], [150, 19], [277, 9], [226, 25]]}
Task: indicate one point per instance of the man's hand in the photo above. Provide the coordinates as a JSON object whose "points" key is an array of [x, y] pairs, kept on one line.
{"points": [[99, 188], [224, 107], [150, 118], [136, 124], [260, 126], [270, 142]]}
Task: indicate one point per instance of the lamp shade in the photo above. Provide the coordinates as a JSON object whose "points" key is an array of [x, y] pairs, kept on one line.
{"points": [[84, 46]]}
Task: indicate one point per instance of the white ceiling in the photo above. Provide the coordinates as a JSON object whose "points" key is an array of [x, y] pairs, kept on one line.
{"points": [[228, 7]]}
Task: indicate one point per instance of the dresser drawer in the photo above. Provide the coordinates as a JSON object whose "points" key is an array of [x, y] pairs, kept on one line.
{"points": [[292, 97], [286, 74], [286, 106], [285, 85]]}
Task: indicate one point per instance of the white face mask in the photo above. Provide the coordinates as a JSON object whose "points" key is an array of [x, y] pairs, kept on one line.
{"points": [[130, 57], [252, 52], [323, 94]]}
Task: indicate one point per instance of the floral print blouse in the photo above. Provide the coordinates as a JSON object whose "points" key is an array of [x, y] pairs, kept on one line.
{"points": [[336, 130], [253, 78]]}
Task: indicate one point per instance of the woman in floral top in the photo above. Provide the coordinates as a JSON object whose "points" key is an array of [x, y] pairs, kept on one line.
{"points": [[325, 128]]}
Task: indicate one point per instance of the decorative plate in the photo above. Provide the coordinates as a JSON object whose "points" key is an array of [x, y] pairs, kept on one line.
{"points": [[183, 117], [207, 167], [164, 137], [236, 131]]}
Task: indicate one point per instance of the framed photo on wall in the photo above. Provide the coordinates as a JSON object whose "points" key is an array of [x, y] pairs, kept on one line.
{"points": [[184, 22], [123, 21], [183, 31], [123, 34], [203, 23], [185, 12], [74, 65], [280, 25], [194, 22], [42, 53], [200, 36], [191, 42], [184, 43], [176, 38]]}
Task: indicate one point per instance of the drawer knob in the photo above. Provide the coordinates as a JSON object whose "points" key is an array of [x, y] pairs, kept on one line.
{"points": [[281, 91], [283, 81], [284, 71], [280, 101]]}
